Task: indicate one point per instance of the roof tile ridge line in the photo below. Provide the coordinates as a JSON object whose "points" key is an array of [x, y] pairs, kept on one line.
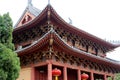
{"points": [[112, 59], [85, 53], [35, 42], [34, 8]]}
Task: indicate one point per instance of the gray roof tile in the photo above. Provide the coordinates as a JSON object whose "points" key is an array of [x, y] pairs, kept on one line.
{"points": [[31, 9]]}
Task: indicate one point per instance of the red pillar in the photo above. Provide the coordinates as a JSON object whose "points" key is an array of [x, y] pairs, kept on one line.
{"points": [[105, 77], [65, 73], [91, 76], [49, 71], [79, 74], [33, 73]]}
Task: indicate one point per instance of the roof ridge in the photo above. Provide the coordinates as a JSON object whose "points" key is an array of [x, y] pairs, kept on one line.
{"points": [[33, 10]]}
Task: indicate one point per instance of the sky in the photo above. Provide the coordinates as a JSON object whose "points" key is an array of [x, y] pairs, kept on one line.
{"points": [[98, 17]]}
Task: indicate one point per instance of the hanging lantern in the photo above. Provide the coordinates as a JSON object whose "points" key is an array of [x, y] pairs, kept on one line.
{"points": [[56, 72], [84, 76]]}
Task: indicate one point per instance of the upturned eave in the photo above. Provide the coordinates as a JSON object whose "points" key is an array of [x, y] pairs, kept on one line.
{"points": [[69, 27], [67, 48]]}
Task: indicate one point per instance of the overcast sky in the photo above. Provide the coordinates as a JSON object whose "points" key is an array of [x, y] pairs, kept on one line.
{"points": [[98, 17]]}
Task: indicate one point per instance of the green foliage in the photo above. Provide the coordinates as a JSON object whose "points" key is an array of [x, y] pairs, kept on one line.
{"points": [[109, 78], [117, 77], [3, 75], [9, 62], [9, 66], [6, 30]]}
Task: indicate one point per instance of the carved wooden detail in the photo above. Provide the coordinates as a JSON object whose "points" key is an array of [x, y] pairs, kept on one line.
{"points": [[27, 37], [26, 19], [81, 42], [30, 35], [63, 57]]}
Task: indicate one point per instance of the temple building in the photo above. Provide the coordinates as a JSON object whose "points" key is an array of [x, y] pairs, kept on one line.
{"points": [[50, 49]]}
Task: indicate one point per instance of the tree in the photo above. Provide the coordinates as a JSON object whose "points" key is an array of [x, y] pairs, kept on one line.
{"points": [[9, 62], [6, 31], [109, 78], [117, 77]]}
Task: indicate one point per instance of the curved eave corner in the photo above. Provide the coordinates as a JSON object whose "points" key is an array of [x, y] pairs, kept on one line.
{"points": [[82, 53], [85, 54], [39, 43], [67, 25], [79, 31]]}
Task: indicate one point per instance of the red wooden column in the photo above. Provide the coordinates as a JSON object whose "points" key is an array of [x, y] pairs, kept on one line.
{"points": [[33, 73], [91, 76], [49, 71], [105, 77], [65, 73], [79, 74]]}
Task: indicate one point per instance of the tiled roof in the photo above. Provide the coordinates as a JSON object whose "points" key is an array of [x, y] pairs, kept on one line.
{"points": [[113, 60], [107, 60], [32, 10]]}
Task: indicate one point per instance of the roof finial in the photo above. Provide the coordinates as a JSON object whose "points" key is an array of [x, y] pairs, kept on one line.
{"points": [[49, 2], [70, 20], [29, 2]]}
